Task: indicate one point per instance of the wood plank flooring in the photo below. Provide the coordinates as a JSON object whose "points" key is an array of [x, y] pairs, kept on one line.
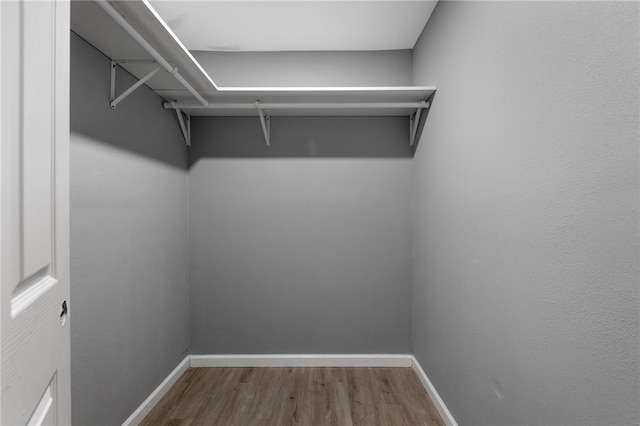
{"points": [[295, 396]]}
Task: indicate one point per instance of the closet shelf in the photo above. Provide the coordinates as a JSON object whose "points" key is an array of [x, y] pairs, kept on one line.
{"points": [[309, 101], [139, 41]]}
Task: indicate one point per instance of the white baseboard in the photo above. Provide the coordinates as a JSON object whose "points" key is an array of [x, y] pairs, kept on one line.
{"points": [[144, 408], [366, 360], [433, 394]]}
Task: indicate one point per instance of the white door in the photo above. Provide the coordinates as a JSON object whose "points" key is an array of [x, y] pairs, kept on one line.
{"points": [[34, 214]]}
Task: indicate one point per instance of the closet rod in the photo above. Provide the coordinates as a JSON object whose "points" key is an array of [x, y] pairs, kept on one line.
{"points": [[111, 11], [321, 105]]}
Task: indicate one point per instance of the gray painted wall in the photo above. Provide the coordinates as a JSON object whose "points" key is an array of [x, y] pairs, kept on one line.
{"points": [[355, 68], [526, 212], [129, 306], [300, 255]]}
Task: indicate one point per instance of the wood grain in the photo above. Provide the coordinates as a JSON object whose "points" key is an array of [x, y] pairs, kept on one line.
{"points": [[295, 396]]}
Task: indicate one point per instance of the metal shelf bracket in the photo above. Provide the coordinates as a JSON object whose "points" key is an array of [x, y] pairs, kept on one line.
{"points": [[414, 122], [185, 125], [129, 29], [265, 120], [113, 100]]}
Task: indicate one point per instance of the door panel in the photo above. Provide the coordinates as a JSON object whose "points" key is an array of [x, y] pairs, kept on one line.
{"points": [[36, 146], [45, 412], [37, 134], [34, 342]]}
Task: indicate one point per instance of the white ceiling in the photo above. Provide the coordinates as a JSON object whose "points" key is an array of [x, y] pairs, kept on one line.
{"points": [[296, 25]]}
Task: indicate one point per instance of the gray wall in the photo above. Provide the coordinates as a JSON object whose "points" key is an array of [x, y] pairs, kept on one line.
{"points": [[129, 297], [526, 212], [355, 68], [310, 254]]}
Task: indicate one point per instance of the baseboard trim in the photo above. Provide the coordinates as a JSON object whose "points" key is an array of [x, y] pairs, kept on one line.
{"points": [[433, 394], [144, 408], [319, 360]]}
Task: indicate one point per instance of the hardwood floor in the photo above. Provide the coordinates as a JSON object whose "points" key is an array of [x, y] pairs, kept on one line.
{"points": [[295, 396]]}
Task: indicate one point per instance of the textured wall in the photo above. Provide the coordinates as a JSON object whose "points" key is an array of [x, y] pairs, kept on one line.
{"points": [[129, 291], [526, 212], [300, 255], [371, 68]]}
